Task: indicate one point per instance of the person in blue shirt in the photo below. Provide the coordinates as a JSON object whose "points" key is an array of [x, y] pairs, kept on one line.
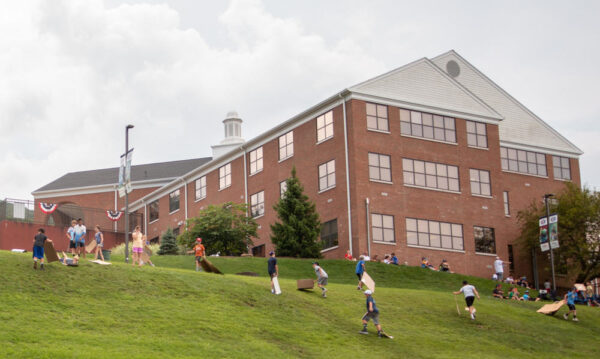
{"points": [[372, 313], [394, 259], [570, 298], [360, 269]]}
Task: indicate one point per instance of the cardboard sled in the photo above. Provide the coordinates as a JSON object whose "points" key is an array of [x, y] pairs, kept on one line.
{"points": [[209, 267], [551, 309], [90, 246], [305, 284], [368, 281], [147, 250], [276, 285], [98, 261], [145, 257], [50, 252], [580, 287]]}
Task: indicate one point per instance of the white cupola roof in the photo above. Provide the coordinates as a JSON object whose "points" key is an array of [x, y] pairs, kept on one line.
{"points": [[233, 134]]}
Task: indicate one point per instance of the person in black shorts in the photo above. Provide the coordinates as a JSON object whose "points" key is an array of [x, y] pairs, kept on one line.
{"points": [[273, 269]]}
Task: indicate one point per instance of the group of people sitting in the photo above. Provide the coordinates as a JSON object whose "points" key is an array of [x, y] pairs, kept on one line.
{"points": [[387, 259], [514, 294], [443, 267]]}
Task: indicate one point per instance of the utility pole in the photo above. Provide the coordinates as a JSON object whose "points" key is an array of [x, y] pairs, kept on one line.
{"points": [[546, 196], [127, 128]]}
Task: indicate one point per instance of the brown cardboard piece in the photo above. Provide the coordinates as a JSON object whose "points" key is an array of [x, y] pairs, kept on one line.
{"points": [[90, 246], [551, 308], [145, 257], [580, 287], [305, 283], [209, 267], [147, 250], [50, 252], [368, 281]]}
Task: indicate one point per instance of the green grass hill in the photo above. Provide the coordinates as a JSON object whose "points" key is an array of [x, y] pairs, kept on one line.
{"points": [[171, 311]]}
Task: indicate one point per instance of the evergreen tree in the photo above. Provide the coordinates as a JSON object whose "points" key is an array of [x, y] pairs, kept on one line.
{"points": [[168, 243], [297, 232]]}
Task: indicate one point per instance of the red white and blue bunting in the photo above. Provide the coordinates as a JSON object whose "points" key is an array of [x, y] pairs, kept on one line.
{"points": [[48, 207], [114, 215]]}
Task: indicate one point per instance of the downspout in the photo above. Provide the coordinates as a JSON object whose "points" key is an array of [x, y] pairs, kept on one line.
{"points": [[186, 195], [368, 227], [243, 147], [145, 217], [347, 174], [115, 223]]}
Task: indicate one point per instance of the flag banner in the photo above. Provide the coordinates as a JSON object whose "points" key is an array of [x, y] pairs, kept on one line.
{"points": [[114, 215], [48, 207], [553, 230], [544, 234]]}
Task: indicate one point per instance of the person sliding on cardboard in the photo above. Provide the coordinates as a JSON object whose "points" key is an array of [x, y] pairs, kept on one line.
{"points": [[200, 253], [470, 292]]}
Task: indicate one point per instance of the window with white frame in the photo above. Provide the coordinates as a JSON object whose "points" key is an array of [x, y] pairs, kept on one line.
{"points": [[325, 126], [476, 134], [329, 234], [522, 161], [377, 117], [380, 167], [327, 175], [173, 201], [201, 188], [427, 125], [426, 233], [282, 188], [286, 145], [430, 175], [153, 211], [257, 204], [485, 240], [225, 176], [256, 160], [382, 227], [562, 168], [506, 203], [480, 182]]}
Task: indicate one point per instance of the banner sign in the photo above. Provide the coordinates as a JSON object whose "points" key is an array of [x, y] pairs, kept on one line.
{"points": [[48, 207], [544, 234], [114, 215], [125, 174], [553, 229]]}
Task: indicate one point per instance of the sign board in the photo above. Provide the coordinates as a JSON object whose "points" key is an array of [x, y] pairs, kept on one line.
{"points": [[553, 229], [544, 244], [125, 174]]}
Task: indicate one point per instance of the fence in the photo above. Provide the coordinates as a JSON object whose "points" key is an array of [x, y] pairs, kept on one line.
{"points": [[17, 210]]}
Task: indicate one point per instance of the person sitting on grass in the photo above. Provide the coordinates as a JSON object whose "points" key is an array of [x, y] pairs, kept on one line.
{"points": [[498, 293], [386, 259], [348, 256], [444, 266], [38, 248], [525, 296], [394, 259], [372, 313], [570, 299], [513, 294], [65, 260], [425, 263]]}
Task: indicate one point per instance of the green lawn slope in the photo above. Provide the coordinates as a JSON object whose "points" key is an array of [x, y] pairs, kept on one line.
{"points": [[171, 311]]}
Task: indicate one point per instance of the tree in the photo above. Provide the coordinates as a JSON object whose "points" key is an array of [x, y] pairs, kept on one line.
{"points": [[578, 230], [168, 243], [297, 232], [224, 229]]}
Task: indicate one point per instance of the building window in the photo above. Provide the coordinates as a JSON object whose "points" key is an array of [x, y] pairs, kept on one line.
{"points": [[325, 126], [382, 226], [329, 234], [256, 160], [562, 169], [173, 201], [201, 188], [511, 258], [257, 204], [380, 167], [282, 188], [426, 125], [327, 175], [425, 233], [377, 117], [521, 161], [430, 175], [476, 134], [225, 176], [153, 211], [480, 182], [286, 145], [485, 241], [506, 203], [176, 231]]}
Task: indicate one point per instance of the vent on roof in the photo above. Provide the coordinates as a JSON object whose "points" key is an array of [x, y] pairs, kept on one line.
{"points": [[452, 68]]}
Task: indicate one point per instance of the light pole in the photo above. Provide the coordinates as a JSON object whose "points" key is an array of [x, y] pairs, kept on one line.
{"points": [[546, 196], [127, 128]]}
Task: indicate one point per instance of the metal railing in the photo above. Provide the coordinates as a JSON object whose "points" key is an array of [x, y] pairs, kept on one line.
{"points": [[17, 210]]}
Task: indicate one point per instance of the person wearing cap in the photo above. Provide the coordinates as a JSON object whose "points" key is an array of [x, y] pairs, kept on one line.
{"points": [[470, 292], [360, 269], [273, 269], [199, 252], [322, 278], [525, 296], [372, 313]]}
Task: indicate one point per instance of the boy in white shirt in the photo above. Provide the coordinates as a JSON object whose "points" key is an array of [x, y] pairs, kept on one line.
{"points": [[470, 292]]}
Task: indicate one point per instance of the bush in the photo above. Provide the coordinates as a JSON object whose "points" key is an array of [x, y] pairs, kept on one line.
{"points": [[168, 243]]}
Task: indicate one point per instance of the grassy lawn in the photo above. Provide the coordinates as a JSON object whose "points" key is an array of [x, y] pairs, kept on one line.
{"points": [[171, 311]]}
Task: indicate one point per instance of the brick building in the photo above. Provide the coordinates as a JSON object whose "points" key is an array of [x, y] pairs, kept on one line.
{"points": [[431, 159]]}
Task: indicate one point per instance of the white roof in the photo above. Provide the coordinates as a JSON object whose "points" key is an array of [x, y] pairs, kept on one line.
{"points": [[520, 126], [423, 83]]}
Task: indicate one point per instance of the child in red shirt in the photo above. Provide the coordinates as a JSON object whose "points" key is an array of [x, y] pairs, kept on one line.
{"points": [[199, 251]]}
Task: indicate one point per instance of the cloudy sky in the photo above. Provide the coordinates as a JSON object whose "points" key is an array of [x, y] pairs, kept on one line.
{"points": [[74, 73]]}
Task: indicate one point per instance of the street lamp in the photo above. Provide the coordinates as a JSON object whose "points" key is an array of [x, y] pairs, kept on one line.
{"points": [[127, 128], [546, 196]]}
